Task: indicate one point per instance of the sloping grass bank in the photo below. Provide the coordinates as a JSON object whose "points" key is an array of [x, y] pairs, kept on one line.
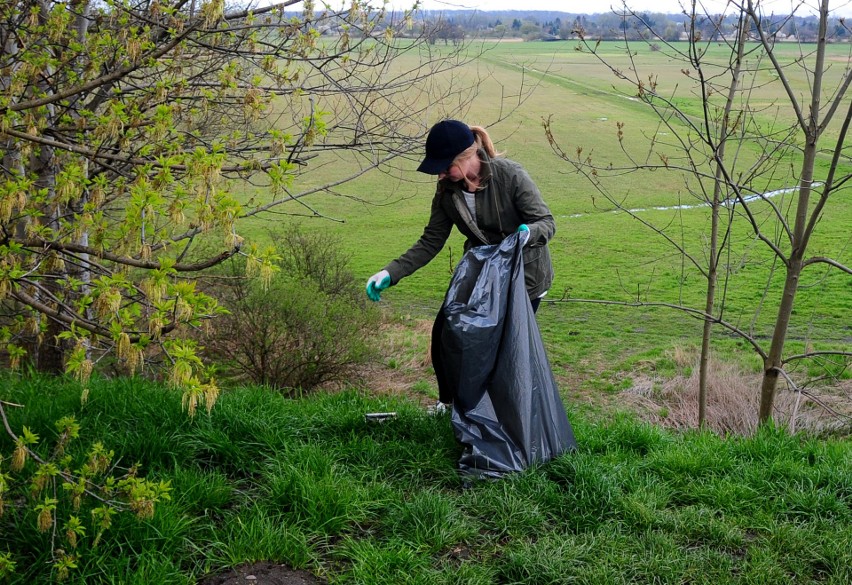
{"points": [[310, 483]]}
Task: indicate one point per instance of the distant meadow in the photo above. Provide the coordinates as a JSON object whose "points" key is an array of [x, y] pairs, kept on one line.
{"points": [[599, 252]]}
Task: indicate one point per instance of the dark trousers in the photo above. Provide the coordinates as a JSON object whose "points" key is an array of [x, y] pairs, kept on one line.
{"points": [[445, 393]]}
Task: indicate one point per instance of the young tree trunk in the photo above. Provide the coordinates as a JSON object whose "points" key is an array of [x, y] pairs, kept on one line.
{"points": [[774, 360], [801, 230], [712, 269]]}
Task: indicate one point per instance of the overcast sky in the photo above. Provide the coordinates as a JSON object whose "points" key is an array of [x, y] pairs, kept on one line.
{"points": [[838, 7]]}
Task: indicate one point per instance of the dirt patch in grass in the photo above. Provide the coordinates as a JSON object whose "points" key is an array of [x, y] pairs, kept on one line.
{"points": [[262, 573], [405, 365]]}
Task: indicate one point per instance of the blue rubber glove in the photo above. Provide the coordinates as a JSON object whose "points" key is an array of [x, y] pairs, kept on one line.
{"points": [[377, 283], [524, 230]]}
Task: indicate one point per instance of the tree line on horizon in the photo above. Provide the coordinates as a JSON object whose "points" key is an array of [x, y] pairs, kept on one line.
{"points": [[532, 25]]}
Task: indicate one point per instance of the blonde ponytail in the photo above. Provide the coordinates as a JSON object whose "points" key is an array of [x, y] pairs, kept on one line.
{"points": [[482, 140]]}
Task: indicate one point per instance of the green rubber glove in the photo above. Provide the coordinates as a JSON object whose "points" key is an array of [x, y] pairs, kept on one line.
{"points": [[524, 230], [377, 283]]}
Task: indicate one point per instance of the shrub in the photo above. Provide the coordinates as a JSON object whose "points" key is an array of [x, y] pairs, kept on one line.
{"points": [[305, 328]]}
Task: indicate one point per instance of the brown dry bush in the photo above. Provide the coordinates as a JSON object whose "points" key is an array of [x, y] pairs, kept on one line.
{"points": [[733, 398]]}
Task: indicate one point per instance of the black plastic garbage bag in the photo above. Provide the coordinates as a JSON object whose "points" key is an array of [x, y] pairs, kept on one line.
{"points": [[507, 412]]}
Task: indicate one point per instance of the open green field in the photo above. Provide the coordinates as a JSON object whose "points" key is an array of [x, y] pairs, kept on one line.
{"points": [[600, 253]]}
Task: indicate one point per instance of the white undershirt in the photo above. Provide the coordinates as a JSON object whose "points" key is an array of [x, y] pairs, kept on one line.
{"points": [[470, 199]]}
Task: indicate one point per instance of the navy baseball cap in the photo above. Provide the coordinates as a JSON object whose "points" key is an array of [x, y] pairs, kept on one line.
{"points": [[447, 139]]}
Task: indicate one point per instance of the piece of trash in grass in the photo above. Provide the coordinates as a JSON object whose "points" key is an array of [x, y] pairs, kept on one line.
{"points": [[379, 416]]}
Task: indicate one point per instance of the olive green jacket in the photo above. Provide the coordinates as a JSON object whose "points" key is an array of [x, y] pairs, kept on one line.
{"points": [[509, 199]]}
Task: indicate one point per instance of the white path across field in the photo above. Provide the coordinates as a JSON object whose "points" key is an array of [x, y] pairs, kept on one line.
{"points": [[727, 203]]}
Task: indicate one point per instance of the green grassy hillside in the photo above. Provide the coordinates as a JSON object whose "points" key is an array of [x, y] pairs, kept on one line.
{"points": [[311, 484]]}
